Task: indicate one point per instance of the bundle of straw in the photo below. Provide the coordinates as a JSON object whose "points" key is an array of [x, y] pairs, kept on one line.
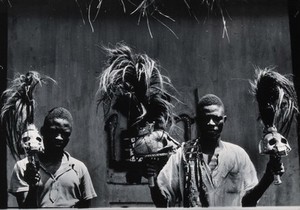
{"points": [[277, 99], [133, 85]]}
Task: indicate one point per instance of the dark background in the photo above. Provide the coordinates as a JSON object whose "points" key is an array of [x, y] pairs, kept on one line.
{"points": [[55, 38]]}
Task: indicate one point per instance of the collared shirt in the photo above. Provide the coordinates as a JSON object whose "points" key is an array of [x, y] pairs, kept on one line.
{"points": [[68, 185], [227, 177]]}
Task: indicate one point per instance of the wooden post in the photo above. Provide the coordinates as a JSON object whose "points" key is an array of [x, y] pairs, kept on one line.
{"points": [[3, 84]]}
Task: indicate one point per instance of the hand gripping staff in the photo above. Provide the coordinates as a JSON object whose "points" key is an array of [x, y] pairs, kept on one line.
{"points": [[17, 116], [277, 103]]}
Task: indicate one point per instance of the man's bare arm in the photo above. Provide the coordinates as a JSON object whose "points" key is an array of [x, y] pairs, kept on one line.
{"points": [[274, 167]]}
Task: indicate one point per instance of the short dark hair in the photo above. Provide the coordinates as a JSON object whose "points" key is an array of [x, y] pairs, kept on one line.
{"points": [[58, 112], [207, 100]]}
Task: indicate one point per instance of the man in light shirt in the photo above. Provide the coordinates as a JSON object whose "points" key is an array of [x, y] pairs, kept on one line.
{"points": [[208, 171], [60, 180]]}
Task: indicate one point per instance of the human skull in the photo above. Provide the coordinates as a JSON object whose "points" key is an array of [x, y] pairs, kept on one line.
{"points": [[274, 143], [31, 140]]}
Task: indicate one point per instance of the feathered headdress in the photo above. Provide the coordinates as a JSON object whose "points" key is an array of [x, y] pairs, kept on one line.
{"points": [[277, 99], [17, 112], [133, 85]]}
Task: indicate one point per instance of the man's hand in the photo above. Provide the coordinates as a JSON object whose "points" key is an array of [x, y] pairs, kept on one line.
{"points": [[28, 199], [154, 165], [31, 174], [274, 166], [152, 170]]}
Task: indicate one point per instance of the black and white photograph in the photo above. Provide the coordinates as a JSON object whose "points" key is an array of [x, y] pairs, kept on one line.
{"points": [[149, 104]]}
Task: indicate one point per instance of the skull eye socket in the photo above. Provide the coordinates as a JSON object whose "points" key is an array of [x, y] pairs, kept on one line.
{"points": [[284, 141], [25, 139], [39, 139], [272, 142]]}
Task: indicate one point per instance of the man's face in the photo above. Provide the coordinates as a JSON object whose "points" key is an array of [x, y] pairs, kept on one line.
{"points": [[211, 120], [56, 134]]}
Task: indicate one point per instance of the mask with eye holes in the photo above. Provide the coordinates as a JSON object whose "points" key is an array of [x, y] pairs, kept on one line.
{"points": [[31, 140], [274, 143]]}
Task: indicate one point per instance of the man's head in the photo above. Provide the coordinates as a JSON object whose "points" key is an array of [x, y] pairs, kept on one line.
{"points": [[57, 129], [211, 116]]}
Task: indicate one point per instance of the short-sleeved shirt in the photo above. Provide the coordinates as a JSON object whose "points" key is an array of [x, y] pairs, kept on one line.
{"points": [[226, 182], [70, 183]]}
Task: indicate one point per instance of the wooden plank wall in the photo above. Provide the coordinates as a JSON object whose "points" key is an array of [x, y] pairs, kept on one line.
{"points": [[51, 37], [3, 76]]}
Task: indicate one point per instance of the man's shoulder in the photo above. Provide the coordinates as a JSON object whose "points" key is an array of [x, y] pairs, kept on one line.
{"points": [[75, 162], [234, 148], [230, 145], [22, 163]]}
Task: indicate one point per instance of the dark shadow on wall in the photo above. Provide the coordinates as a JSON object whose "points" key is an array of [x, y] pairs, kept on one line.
{"points": [[3, 83], [294, 18]]}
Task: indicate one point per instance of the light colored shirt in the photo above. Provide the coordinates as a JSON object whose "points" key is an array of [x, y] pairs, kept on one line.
{"points": [[227, 177], [70, 183]]}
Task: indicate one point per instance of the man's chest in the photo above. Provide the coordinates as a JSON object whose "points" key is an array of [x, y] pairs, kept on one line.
{"points": [[63, 175]]}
